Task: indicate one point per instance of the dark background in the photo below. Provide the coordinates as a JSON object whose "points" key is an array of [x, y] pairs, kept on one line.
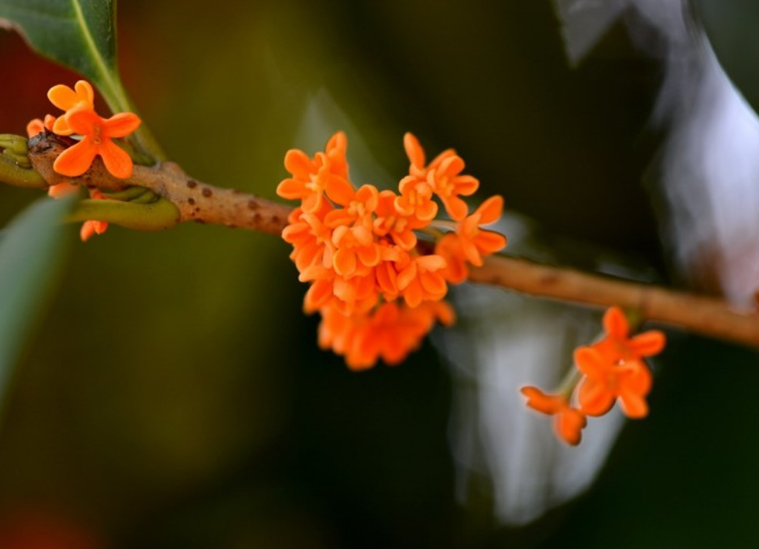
{"points": [[174, 397]]}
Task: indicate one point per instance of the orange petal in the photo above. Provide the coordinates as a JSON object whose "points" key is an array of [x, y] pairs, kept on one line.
{"points": [[466, 185], [291, 189], [594, 399], [542, 402], [633, 405], [591, 363], [62, 190], [489, 242], [431, 262], [62, 97], [84, 91], [413, 294], [455, 207], [121, 124], [61, 126], [615, 323], [117, 161], [368, 255], [34, 127], [490, 210], [338, 189], [344, 262], [414, 150], [569, 425], [406, 239], [298, 164], [433, 284], [77, 159], [451, 166], [648, 343]]}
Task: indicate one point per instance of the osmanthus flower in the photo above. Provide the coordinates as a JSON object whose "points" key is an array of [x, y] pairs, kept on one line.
{"points": [[378, 290], [569, 421], [415, 199], [610, 371], [311, 239], [618, 347], [418, 167], [66, 99], [98, 134], [389, 222], [390, 332], [448, 184], [607, 381], [470, 243], [311, 178], [420, 279]]}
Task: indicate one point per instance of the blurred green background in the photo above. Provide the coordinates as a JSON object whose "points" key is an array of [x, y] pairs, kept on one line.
{"points": [[174, 396]]}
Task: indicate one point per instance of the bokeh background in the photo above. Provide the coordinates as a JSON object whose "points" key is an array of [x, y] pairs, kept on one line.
{"points": [[174, 395]]}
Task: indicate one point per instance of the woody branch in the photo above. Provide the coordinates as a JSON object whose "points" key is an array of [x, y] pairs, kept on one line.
{"points": [[201, 202]]}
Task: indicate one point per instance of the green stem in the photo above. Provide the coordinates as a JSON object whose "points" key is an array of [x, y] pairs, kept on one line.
{"points": [[14, 174], [156, 216]]}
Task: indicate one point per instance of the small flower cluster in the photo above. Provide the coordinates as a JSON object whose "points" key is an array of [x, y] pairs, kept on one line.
{"points": [[97, 134], [377, 282], [610, 370]]}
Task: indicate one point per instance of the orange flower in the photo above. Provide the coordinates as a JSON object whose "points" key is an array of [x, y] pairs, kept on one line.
{"points": [[389, 222], [607, 381], [470, 243], [416, 156], [449, 248], [311, 240], [474, 241], [389, 333], [66, 99], [569, 421], [448, 184], [326, 173], [377, 293], [619, 348], [416, 199], [420, 279], [98, 134]]}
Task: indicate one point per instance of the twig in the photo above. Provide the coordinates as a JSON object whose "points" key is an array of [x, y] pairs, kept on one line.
{"points": [[201, 202]]}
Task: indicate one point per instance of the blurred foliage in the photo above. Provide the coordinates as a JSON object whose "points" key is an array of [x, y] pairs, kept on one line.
{"points": [[176, 397]]}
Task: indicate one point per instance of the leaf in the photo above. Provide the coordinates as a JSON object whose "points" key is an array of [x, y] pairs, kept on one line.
{"points": [[80, 34], [731, 27], [32, 252]]}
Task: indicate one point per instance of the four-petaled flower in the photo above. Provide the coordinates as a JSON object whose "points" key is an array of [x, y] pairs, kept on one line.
{"points": [[98, 134], [605, 382]]}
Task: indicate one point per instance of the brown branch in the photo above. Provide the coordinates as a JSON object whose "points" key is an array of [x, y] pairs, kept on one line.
{"points": [[201, 202], [702, 315], [196, 201]]}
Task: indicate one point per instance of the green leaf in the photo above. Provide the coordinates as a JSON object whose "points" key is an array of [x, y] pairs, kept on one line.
{"points": [[32, 252], [80, 34], [731, 27]]}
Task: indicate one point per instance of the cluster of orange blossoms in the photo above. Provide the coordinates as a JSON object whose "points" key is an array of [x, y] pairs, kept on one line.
{"points": [[379, 262], [611, 370], [97, 134]]}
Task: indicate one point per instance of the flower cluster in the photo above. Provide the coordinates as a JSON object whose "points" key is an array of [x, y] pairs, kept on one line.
{"points": [[608, 371], [96, 139], [379, 262]]}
